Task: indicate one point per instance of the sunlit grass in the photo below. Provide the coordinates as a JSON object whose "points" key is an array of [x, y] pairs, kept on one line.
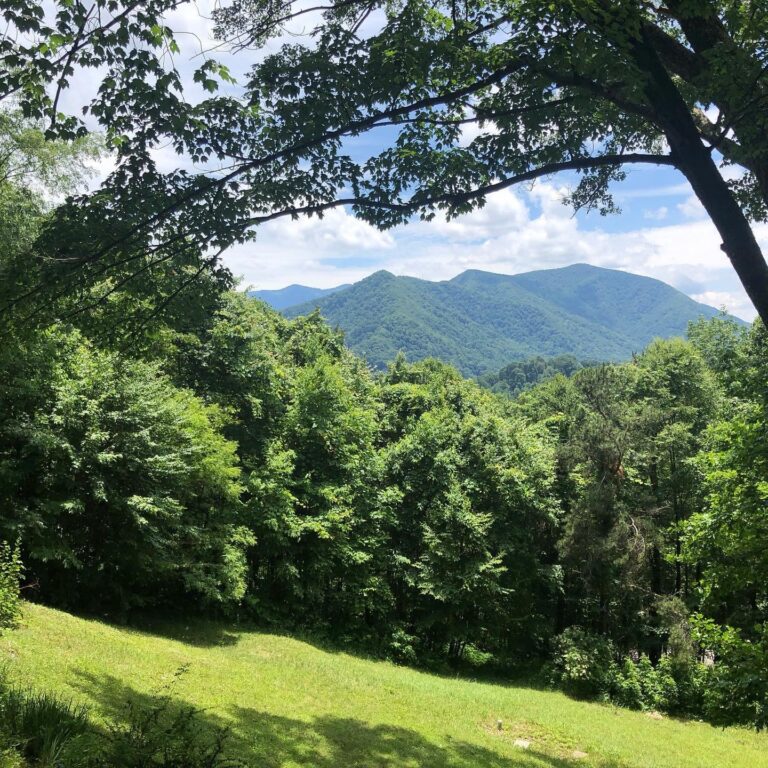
{"points": [[290, 703]]}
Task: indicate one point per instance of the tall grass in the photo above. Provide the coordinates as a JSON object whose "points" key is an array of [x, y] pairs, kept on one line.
{"points": [[39, 727]]}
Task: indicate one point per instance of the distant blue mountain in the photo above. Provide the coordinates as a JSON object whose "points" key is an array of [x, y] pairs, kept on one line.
{"points": [[480, 321], [294, 294]]}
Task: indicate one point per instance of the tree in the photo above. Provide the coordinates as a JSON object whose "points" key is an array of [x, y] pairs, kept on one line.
{"points": [[472, 529], [676, 398], [119, 484], [588, 86], [627, 484], [726, 539]]}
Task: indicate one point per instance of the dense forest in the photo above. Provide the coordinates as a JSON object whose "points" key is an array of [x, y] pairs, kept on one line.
{"points": [[213, 456], [520, 375]]}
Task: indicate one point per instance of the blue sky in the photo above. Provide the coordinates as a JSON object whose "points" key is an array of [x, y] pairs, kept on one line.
{"points": [[662, 231]]}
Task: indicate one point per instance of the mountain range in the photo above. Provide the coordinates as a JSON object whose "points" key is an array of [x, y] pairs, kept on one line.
{"points": [[480, 321], [282, 298]]}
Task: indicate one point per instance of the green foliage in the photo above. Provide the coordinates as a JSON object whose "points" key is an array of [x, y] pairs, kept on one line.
{"points": [[582, 663], [11, 572], [45, 731], [474, 520], [519, 376], [126, 492], [163, 734], [737, 687], [727, 537], [719, 341], [41, 728], [588, 666], [29, 159]]}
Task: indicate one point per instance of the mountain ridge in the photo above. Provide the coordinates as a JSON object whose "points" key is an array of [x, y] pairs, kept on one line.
{"points": [[282, 298], [480, 321]]}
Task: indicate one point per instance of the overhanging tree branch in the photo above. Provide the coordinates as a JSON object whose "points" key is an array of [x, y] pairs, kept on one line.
{"points": [[458, 198]]}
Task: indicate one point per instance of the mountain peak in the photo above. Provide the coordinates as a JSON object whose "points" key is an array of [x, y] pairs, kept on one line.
{"points": [[481, 321], [380, 274]]}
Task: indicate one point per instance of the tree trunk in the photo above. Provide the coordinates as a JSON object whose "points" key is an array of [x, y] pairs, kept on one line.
{"points": [[706, 32], [695, 161]]}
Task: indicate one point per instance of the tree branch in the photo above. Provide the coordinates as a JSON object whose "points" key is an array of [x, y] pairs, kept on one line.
{"points": [[457, 198]]}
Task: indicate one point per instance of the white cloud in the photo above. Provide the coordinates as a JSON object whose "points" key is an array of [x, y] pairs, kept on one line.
{"points": [[471, 131], [692, 208], [338, 231], [310, 251], [515, 232], [734, 302], [502, 211], [656, 214], [668, 190]]}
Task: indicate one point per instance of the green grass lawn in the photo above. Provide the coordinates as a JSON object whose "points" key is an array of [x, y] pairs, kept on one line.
{"points": [[291, 704]]}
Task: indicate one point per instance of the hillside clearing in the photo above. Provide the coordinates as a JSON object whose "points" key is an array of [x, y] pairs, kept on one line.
{"points": [[291, 704]]}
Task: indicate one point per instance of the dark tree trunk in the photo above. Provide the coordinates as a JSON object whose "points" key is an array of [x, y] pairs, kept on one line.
{"points": [[694, 160], [746, 115]]}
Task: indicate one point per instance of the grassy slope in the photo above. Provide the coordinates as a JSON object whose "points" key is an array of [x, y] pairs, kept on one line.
{"points": [[291, 704]]}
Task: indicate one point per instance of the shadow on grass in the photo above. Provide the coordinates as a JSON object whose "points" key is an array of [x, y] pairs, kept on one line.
{"points": [[201, 633], [210, 633], [195, 631], [264, 740]]}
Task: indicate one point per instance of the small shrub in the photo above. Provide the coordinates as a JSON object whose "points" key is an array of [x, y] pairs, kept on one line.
{"points": [[163, 734], [583, 664], [11, 571], [40, 727], [9, 757], [655, 685], [626, 689], [475, 657], [691, 681], [737, 685], [401, 647]]}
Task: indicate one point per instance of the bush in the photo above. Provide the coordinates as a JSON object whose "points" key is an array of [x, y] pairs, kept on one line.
{"points": [[163, 734], [691, 678], [737, 685], [626, 689], [39, 727], [583, 664], [402, 647], [11, 571]]}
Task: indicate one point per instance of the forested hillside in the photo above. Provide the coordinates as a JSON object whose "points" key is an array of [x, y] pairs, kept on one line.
{"points": [[480, 321]]}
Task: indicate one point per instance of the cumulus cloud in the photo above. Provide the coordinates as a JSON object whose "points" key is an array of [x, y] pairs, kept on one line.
{"points": [[514, 232], [692, 208], [656, 214]]}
